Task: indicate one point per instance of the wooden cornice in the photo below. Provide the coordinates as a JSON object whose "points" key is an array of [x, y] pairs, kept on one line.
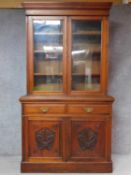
{"points": [[67, 8], [68, 5], [18, 3]]}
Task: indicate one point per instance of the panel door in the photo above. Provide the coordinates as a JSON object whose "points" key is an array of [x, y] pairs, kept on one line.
{"points": [[90, 139], [44, 137]]}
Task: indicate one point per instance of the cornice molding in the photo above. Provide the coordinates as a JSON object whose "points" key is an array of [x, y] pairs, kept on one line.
{"points": [[18, 3], [68, 5]]}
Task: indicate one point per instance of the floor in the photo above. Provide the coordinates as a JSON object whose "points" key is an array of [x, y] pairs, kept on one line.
{"points": [[11, 166]]}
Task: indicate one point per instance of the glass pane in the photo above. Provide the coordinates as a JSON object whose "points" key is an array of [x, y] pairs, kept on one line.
{"points": [[48, 55], [86, 53]]}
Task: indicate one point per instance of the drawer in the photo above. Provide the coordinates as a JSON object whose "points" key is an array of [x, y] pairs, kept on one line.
{"points": [[88, 109], [44, 108]]}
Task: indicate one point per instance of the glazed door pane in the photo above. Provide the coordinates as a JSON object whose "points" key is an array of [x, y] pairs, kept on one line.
{"points": [[86, 55], [48, 55]]}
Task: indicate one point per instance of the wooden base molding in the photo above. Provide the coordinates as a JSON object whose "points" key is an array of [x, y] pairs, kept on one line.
{"points": [[67, 167]]}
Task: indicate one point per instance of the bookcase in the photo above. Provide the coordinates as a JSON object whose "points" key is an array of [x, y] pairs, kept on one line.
{"points": [[67, 113]]}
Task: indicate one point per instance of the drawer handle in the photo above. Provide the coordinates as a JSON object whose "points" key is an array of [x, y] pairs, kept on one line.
{"points": [[45, 110], [88, 110]]}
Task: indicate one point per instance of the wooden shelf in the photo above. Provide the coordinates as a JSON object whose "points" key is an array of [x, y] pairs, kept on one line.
{"points": [[91, 47], [45, 33], [42, 51], [51, 59], [87, 33], [77, 74], [85, 86], [42, 74], [48, 87], [92, 50], [60, 74], [98, 59]]}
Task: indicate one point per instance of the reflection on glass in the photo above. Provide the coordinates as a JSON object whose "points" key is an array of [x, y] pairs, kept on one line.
{"points": [[86, 53], [48, 55]]}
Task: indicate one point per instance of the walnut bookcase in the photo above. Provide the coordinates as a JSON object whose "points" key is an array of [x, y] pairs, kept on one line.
{"points": [[66, 114]]}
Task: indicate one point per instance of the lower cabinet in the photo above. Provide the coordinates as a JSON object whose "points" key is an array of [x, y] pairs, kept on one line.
{"points": [[66, 138]]}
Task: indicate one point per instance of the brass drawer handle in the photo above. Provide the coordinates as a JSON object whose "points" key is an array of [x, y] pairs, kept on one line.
{"points": [[88, 110], [45, 109]]}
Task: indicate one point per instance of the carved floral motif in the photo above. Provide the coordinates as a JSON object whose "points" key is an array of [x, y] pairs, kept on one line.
{"points": [[87, 139], [45, 138]]}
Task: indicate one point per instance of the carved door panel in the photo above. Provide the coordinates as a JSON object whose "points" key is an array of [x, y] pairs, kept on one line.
{"points": [[45, 141], [88, 139]]}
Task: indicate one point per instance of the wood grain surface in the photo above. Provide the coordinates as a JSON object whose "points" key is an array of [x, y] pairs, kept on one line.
{"points": [[17, 3]]}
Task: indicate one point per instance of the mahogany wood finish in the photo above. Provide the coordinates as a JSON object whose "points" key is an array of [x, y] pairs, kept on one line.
{"points": [[68, 131], [18, 3]]}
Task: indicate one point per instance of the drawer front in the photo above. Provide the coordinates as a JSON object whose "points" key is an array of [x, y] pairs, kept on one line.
{"points": [[88, 109], [44, 108]]}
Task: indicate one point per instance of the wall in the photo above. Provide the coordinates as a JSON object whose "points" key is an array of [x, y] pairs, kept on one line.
{"points": [[13, 78], [120, 76]]}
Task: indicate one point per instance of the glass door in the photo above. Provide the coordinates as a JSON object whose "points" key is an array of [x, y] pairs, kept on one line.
{"points": [[48, 54], [86, 55]]}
